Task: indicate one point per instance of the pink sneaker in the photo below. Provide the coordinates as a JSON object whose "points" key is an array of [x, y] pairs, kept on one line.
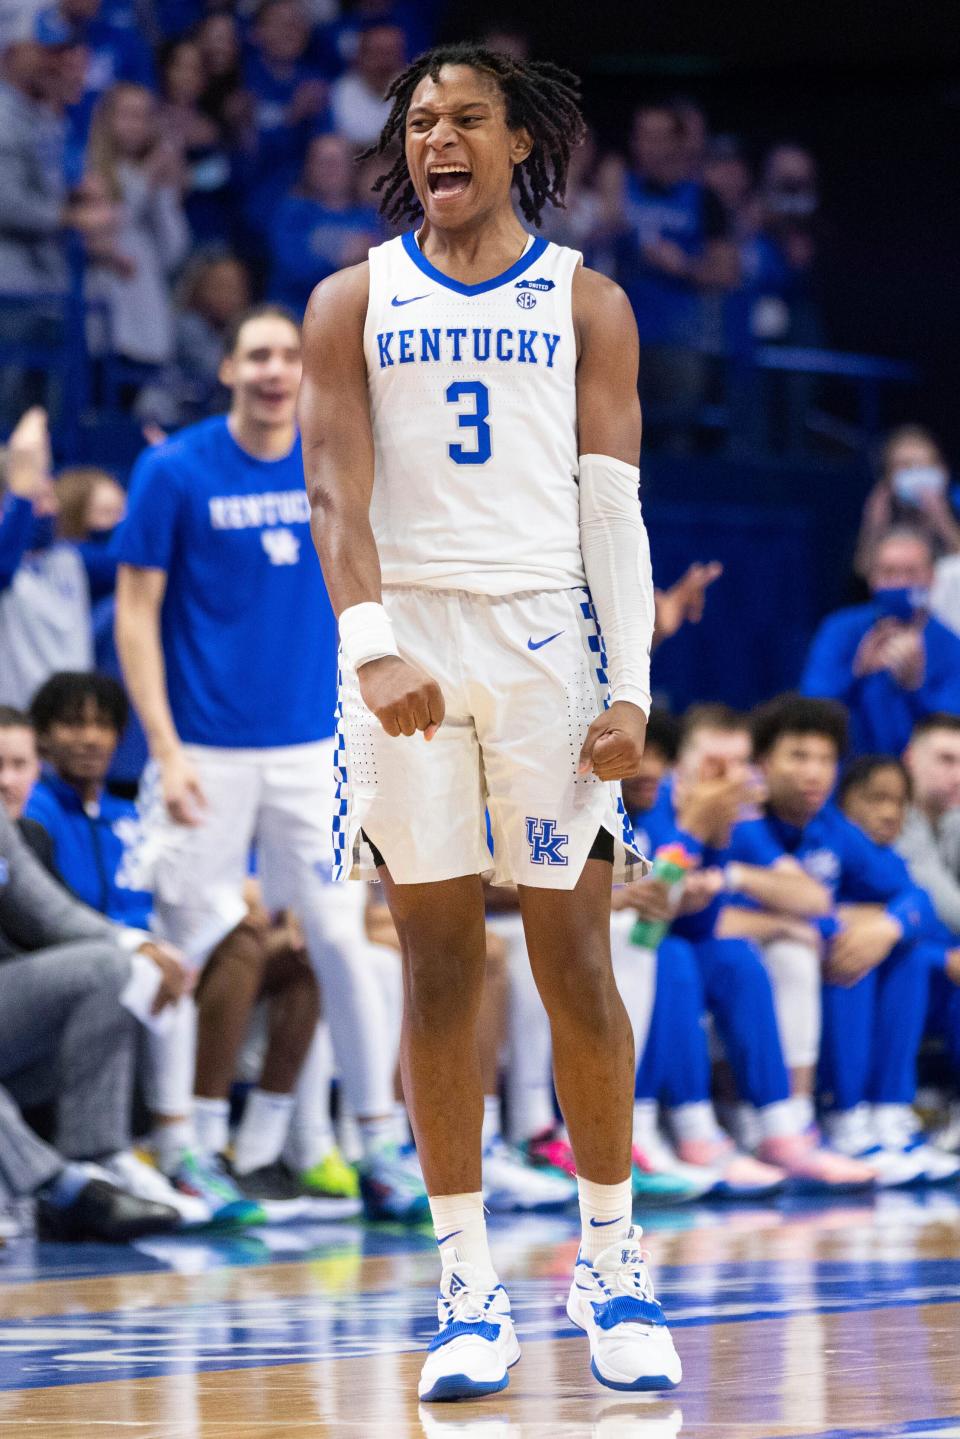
{"points": [[740, 1176], [551, 1150], [814, 1169]]}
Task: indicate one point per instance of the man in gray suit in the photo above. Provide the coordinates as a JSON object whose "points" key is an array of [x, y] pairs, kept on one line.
{"points": [[65, 1038]]}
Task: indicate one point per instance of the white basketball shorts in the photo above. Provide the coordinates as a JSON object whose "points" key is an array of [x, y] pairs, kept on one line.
{"points": [[522, 678]]}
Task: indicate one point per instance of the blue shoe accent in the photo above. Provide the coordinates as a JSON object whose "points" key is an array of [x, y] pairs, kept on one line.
{"points": [[461, 1386], [481, 1329], [649, 1382], [625, 1308]]}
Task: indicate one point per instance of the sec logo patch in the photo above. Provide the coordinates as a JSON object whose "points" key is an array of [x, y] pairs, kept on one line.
{"points": [[526, 300]]}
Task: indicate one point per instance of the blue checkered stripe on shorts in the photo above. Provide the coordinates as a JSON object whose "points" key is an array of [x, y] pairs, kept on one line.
{"points": [[342, 864], [595, 642]]}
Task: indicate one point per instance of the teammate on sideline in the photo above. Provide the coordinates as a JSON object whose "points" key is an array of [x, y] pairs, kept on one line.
{"points": [[229, 652], [471, 437]]}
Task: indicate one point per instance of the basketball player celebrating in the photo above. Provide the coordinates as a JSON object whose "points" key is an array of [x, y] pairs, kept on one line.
{"points": [[471, 436]]}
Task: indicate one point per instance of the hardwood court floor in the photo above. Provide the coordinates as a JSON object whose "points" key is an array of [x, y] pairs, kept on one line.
{"points": [[829, 1322]]}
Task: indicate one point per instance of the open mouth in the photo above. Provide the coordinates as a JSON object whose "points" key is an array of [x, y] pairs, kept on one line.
{"points": [[448, 181]]}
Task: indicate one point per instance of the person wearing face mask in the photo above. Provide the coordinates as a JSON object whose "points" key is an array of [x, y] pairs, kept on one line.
{"points": [[913, 488], [890, 661], [45, 621]]}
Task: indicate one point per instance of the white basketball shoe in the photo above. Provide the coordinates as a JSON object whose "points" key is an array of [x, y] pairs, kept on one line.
{"points": [[612, 1299], [474, 1347]]}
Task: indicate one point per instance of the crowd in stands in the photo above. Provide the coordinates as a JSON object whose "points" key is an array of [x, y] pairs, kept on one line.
{"points": [[194, 155], [171, 947]]}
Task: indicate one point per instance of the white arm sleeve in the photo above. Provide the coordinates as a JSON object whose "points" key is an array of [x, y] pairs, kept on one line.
{"points": [[616, 559]]}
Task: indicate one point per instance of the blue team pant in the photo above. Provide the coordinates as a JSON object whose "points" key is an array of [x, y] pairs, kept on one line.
{"points": [[738, 994], [943, 1015], [872, 1031], [675, 1065]]}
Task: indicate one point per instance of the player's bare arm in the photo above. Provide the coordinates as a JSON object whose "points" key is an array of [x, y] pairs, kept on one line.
{"points": [[609, 424], [338, 463], [140, 593]]}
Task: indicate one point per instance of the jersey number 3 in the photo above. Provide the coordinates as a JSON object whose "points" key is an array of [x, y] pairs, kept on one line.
{"points": [[476, 419]]}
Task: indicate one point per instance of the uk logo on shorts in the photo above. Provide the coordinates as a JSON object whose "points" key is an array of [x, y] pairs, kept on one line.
{"points": [[546, 846]]}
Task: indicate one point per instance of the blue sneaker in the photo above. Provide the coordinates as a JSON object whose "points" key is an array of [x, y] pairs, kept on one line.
{"points": [[391, 1186], [612, 1299], [207, 1178], [475, 1345]]}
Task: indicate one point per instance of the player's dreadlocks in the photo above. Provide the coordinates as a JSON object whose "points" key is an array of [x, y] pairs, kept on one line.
{"points": [[540, 97]]}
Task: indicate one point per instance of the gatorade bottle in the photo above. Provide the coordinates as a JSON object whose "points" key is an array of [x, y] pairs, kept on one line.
{"points": [[670, 863]]}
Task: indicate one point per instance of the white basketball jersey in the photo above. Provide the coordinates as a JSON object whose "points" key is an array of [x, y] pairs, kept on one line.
{"points": [[474, 408]]}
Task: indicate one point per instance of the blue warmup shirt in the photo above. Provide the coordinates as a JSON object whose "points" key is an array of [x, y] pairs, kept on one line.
{"points": [[659, 827], [249, 636], [844, 860], [92, 850], [882, 712]]}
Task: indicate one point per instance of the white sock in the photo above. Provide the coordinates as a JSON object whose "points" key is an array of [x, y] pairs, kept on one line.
{"points": [[773, 1121], [606, 1215], [645, 1114], [171, 1141], [803, 1112], [461, 1230], [211, 1118], [263, 1130], [491, 1119], [694, 1121], [376, 1134]]}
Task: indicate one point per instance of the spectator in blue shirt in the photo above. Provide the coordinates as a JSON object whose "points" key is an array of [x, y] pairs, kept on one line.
{"points": [[889, 661], [290, 103], [114, 51], [79, 719], [673, 252], [879, 915], [319, 227]]}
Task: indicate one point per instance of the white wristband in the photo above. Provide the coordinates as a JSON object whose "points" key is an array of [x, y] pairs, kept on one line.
{"points": [[366, 633]]}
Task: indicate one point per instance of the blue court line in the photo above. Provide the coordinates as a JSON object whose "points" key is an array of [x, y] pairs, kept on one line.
{"points": [[51, 1350], [916, 1427]]}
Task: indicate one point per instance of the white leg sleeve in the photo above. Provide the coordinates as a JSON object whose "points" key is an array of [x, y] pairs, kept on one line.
{"points": [[635, 971], [310, 1135], [529, 1075], [794, 971], [171, 1063]]}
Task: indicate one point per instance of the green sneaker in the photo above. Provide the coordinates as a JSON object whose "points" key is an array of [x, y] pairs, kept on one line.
{"points": [[332, 1178], [208, 1178]]}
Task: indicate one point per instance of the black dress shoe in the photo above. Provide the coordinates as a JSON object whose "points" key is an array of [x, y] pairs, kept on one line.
{"points": [[104, 1211]]}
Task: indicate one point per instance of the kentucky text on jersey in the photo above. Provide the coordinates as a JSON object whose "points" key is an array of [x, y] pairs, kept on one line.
{"points": [[242, 512], [459, 344]]}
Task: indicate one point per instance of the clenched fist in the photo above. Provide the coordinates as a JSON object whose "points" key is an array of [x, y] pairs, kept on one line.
{"points": [[403, 698], [613, 746]]}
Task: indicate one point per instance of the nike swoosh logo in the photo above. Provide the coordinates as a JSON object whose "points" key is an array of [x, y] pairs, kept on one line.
{"points": [[533, 644], [603, 1223], [452, 1235], [397, 301]]}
